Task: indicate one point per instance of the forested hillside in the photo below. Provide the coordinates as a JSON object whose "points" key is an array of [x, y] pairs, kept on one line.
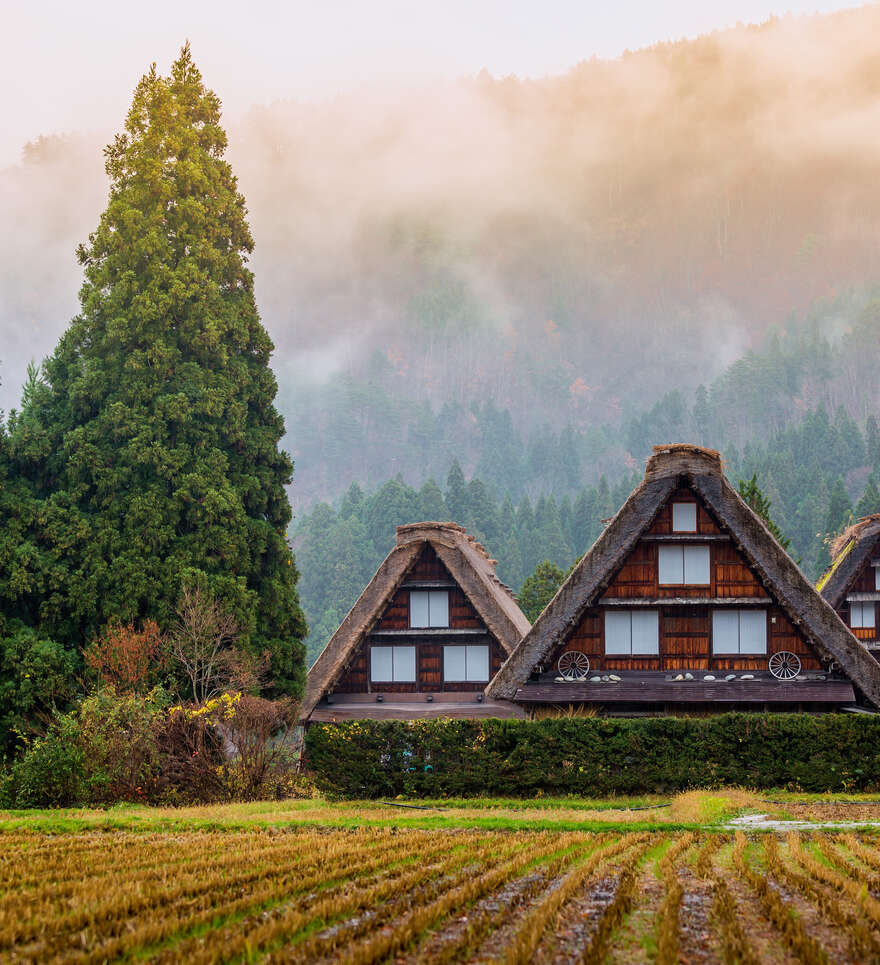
{"points": [[808, 472], [559, 252]]}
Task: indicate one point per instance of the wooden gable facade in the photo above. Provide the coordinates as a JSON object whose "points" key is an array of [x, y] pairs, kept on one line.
{"points": [[686, 601], [852, 583], [686, 613], [425, 637], [395, 628]]}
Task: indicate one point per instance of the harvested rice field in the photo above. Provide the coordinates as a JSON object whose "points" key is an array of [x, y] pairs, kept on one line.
{"points": [[407, 895]]}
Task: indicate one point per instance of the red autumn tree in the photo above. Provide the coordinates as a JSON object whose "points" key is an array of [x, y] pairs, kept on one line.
{"points": [[127, 658]]}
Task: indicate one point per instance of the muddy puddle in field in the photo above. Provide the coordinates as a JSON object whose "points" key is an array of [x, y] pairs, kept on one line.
{"points": [[764, 822]]}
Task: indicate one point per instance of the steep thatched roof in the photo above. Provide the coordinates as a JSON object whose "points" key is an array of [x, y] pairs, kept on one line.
{"points": [[469, 565], [848, 553], [669, 468]]}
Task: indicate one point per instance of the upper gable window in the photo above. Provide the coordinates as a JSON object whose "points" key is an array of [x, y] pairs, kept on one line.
{"points": [[877, 577], [429, 608], [684, 517], [683, 565], [862, 616]]}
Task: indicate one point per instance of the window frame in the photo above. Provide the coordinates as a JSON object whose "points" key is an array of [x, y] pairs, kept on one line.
{"points": [[679, 529], [630, 612], [467, 678], [862, 605], [431, 624], [394, 678], [739, 612], [667, 549]]}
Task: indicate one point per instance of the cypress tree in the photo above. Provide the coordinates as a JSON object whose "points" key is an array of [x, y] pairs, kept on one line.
{"points": [[154, 423]]}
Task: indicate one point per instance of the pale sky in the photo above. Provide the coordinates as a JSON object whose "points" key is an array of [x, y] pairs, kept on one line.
{"points": [[68, 66]]}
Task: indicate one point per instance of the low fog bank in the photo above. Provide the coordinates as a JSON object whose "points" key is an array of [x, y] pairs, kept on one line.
{"points": [[571, 248]]}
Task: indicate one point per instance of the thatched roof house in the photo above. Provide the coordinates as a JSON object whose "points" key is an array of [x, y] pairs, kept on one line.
{"points": [[852, 583], [430, 630], [686, 600]]}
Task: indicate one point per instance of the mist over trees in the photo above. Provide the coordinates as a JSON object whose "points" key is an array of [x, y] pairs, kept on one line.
{"points": [[571, 249]]}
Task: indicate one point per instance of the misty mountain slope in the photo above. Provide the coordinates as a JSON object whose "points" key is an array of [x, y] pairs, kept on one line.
{"points": [[571, 249]]}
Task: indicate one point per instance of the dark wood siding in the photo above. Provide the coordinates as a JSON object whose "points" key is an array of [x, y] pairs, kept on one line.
{"points": [[685, 629], [429, 668], [685, 643], [429, 649]]}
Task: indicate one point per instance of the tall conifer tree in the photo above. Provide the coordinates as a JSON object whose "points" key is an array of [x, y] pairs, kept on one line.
{"points": [[155, 421]]}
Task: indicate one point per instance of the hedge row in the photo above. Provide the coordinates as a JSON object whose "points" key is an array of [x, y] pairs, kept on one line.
{"points": [[595, 756]]}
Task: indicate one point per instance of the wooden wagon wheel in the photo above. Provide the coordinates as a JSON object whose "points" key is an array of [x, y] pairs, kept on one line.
{"points": [[784, 665], [573, 665]]}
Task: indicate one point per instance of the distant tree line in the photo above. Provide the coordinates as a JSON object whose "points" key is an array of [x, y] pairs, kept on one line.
{"points": [[796, 480]]}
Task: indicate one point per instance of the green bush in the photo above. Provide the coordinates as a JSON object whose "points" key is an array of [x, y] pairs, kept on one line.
{"points": [[50, 771], [595, 756], [37, 676], [118, 735]]}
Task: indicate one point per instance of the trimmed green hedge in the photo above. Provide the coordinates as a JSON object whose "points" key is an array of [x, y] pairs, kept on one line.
{"points": [[595, 756]]}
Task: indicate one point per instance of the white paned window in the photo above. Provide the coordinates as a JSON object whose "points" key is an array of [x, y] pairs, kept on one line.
{"points": [[753, 631], [419, 609], [393, 664], [618, 631], [725, 631], [382, 663], [861, 616], [634, 632], [670, 564], [877, 577], [739, 631], [466, 663], [696, 565], [684, 517], [686, 565], [429, 608]]}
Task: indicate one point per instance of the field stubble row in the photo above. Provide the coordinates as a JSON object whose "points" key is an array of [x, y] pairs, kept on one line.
{"points": [[505, 898]]}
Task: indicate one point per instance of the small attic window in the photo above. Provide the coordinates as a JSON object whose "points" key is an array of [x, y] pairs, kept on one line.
{"points": [[429, 608], [877, 577], [684, 517]]}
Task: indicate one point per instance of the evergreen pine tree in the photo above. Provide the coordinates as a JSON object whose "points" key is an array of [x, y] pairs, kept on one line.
{"points": [[872, 441], [582, 517], [431, 503], [840, 509], [152, 440], [456, 495], [539, 589], [353, 502], [870, 501], [701, 413], [760, 504]]}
